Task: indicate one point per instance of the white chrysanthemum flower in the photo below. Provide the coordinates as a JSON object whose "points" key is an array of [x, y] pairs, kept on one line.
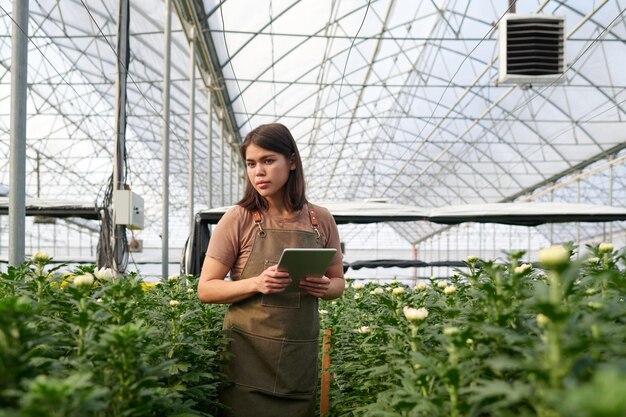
{"points": [[378, 291], [174, 303], [449, 290], [593, 260], [323, 312], [471, 259], [40, 256], [469, 342], [104, 274], [451, 331], [173, 278], [364, 329], [415, 314], [542, 320], [421, 286], [442, 284], [398, 291], [190, 291], [358, 285], [522, 268], [554, 256], [99, 301], [605, 247], [85, 279]]}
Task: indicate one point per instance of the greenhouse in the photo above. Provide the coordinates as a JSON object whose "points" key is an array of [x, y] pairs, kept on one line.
{"points": [[471, 154]]}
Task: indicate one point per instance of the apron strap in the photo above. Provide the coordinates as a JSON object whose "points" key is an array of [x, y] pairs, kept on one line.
{"points": [[256, 216], [314, 223]]}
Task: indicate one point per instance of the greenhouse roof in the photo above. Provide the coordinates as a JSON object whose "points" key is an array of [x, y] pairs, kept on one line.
{"points": [[396, 100]]}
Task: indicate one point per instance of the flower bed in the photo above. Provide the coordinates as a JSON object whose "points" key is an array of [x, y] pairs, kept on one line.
{"points": [[86, 344], [498, 340]]}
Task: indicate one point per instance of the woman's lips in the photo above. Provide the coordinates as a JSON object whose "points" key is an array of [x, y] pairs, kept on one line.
{"points": [[262, 184]]}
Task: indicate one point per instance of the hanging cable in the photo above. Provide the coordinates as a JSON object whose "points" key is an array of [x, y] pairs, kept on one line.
{"points": [[233, 68], [345, 65]]}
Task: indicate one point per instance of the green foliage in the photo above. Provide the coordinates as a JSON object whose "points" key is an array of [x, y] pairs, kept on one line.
{"points": [[117, 347], [507, 340]]}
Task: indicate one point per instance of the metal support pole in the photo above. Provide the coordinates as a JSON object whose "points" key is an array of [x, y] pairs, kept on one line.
{"points": [[119, 158], [480, 240], [165, 207], [210, 149], [222, 140], [578, 223], [192, 116], [552, 224], [611, 197], [529, 244], [231, 173], [17, 181]]}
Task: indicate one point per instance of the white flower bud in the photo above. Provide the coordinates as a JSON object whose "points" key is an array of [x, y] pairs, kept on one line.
{"points": [[593, 260], [451, 331], [472, 259], [378, 291], [173, 278], [449, 290], [554, 256], [358, 285], [442, 284], [605, 247], [415, 314], [83, 280], [99, 301], [41, 256], [522, 268], [421, 286], [542, 320], [398, 291], [174, 303], [323, 312], [594, 305], [364, 329], [104, 274]]}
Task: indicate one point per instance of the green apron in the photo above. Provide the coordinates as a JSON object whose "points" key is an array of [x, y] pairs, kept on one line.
{"points": [[272, 367]]}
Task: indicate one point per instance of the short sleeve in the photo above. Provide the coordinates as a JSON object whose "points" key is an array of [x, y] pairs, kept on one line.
{"points": [[225, 238], [331, 232]]}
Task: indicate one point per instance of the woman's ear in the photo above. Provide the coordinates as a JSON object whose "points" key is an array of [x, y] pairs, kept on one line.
{"points": [[292, 162]]}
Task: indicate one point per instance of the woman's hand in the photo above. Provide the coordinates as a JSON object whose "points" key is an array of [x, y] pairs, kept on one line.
{"points": [[315, 286], [272, 281]]}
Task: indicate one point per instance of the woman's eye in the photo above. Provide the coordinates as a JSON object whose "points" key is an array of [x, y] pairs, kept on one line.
{"points": [[250, 165], [269, 161]]}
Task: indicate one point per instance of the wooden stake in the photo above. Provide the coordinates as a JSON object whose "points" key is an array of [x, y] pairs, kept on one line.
{"points": [[325, 388]]}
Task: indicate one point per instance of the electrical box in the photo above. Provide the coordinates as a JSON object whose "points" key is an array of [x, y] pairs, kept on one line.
{"points": [[128, 209]]}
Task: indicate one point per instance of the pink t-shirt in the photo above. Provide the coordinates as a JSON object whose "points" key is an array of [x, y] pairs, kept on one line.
{"points": [[231, 240]]}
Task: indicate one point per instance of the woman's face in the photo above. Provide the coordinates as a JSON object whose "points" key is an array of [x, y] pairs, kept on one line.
{"points": [[268, 171]]}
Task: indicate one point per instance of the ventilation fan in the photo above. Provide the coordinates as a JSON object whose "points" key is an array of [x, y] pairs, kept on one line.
{"points": [[532, 49]]}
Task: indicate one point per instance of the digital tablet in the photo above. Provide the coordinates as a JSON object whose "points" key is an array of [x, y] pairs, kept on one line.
{"points": [[303, 262]]}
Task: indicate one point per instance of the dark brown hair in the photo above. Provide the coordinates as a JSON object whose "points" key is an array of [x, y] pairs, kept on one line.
{"points": [[275, 137]]}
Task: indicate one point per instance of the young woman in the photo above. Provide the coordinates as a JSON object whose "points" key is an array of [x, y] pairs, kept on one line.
{"points": [[273, 332]]}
